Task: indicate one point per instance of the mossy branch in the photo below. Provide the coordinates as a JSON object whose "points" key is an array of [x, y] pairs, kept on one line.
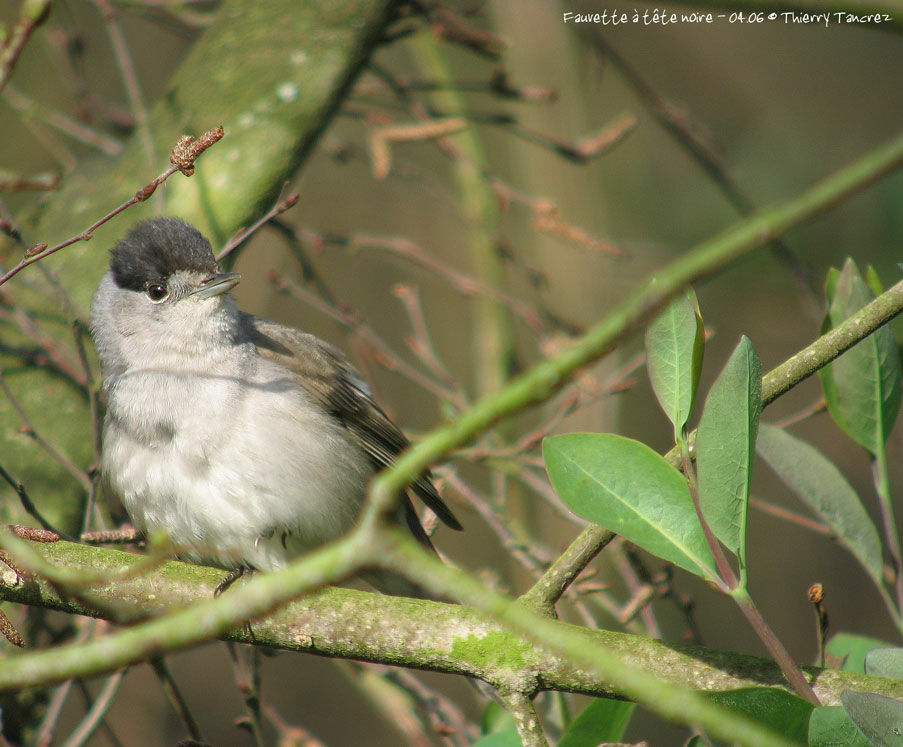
{"points": [[352, 624], [593, 661]]}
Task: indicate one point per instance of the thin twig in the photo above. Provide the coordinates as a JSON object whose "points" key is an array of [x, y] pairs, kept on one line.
{"points": [[25, 500], [95, 716], [552, 584], [470, 286], [33, 112], [243, 234], [246, 673], [175, 698], [183, 156], [29, 429], [129, 78], [446, 718], [290, 735], [365, 334], [394, 704], [691, 136], [48, 725], [32, 15]]}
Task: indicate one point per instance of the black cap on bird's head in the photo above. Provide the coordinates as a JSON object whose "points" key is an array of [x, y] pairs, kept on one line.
{"points": [[155, 249]]}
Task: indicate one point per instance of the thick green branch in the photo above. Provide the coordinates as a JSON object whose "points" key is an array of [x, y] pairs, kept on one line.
{"points": [[593, 660], [832, 344], [358, 625], [539, 382]]}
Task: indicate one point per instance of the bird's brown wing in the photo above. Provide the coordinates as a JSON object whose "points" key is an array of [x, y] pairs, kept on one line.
{"points": [[328, 376]]}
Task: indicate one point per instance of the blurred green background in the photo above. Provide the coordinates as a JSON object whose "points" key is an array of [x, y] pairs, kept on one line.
{"points": [[782, 106]]}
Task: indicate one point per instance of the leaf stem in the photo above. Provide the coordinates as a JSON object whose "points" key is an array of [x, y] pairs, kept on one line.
{"points": [[888, 521], [788, 666], [727, 580]]}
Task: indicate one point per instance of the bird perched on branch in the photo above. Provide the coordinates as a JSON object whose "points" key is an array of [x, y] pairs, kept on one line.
{"points": [[247, 442]]}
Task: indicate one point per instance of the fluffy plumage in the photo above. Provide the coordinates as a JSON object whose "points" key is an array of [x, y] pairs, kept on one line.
{"points": [[246, 441]]}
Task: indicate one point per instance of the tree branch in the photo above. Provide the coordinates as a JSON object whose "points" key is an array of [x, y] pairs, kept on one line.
{"points": [[539, 382], [351, 624]]}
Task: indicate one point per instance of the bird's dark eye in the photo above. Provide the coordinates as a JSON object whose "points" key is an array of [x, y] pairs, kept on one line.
{"points": [[157, 292]]}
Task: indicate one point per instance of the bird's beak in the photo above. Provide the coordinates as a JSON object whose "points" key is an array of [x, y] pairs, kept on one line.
{"points": [[220, 282]]}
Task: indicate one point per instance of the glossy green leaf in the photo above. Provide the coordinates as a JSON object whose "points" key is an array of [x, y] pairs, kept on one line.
{"points": [[603, 720], [780, 711], [505, 738], [847, 651], [725, 446], [625, 486], [831, 726], [861, 387], [674, 348], [822, 487], [873, 281], [878, 717], [495, 718], [885, 662]]}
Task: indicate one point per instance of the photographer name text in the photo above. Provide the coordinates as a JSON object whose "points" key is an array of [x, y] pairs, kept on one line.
{"points": [[657, 17]]}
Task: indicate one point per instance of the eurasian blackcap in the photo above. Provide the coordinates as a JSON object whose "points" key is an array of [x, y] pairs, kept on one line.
{"points": [[247, 442]]}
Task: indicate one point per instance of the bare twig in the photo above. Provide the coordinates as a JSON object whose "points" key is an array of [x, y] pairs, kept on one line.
{"points": [[45, 734], [376, 347], [44, 181], [176, 699], [468, 285], [243, 234], [33, 111], [381, 137], [95, 715], [246, 672], [129, 78], [696, 141], [32, 15], [446, 718], [29, 429], [289, 734], [549, 588], [448, 24], [183, 156], [25, 500]]}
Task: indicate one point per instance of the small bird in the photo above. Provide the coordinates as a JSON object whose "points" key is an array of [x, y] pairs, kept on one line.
{"points": [[246, 441]]}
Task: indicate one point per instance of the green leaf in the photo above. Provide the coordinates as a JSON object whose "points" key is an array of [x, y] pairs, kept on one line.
{"points": [[831, 726], [873, 281], [821, 486], [625, 486], [847, 651], [495, 718], [506, 738], [603, 720], [885, 662], [725, 446], [780, 711], [878, 717], [862, 387], [674, 348]]}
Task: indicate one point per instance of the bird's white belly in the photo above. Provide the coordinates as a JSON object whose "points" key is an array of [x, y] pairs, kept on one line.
{"points": [[235, 476]]}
